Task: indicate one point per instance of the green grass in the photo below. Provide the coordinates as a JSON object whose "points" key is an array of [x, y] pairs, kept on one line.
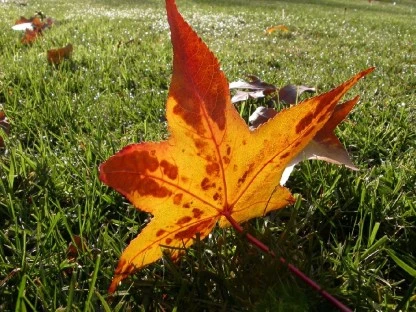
{"points": [[352, 232]]}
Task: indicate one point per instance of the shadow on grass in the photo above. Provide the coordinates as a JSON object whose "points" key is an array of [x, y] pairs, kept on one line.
{"points": [[363, 5]]}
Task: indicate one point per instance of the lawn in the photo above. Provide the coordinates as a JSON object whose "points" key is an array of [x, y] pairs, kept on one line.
{"points": [[350, 231]]}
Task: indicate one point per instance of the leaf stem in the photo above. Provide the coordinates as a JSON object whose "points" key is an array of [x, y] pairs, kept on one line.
{"points": [[254, 241]]}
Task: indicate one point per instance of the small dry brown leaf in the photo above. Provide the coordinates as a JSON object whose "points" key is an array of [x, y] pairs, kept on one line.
{"points": [[272, 29], [78, 245], [56, 56], [34, 27], [288, 94]]}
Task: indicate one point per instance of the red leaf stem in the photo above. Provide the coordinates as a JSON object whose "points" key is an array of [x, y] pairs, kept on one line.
{"points": [[254, 241]]}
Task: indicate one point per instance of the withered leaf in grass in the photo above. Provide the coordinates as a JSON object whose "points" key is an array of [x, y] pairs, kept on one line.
{"points": [[38, 21], [212, 168], [272, 29], [76, 247], [30, 36], [33, 27], [56, 56], [288, 94]]}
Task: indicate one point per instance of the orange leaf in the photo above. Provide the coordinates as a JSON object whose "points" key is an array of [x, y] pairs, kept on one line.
{"points": [[31, 35], [32, 26], [212, 168], [23, 20], [37, 23], [272, 29], [324, 146], [56, 56]]}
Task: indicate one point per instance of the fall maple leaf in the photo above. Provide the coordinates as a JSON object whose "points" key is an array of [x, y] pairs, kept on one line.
{"points": [[212, 169]]}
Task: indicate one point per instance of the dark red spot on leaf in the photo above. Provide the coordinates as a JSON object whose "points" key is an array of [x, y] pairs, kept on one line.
{"points": [[212, 169], [168, 169], [148, 186], [200, 144], [177, 198], [188, 233], [285, 155], [245, 174], [160, 232], [304, 122], [323, 103], [168, 241], [144, 161], [184, 220], [218, 113], [206, 184], [192, 230], [197, 213], [188, 113], [243, 178]]}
